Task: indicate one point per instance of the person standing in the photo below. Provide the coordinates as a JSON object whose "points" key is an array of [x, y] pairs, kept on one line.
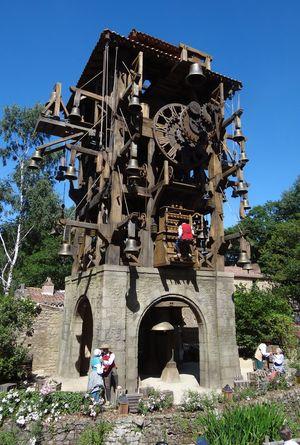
{"points": [[95, 381], [185, 235], [260, 354], [110, 374]]}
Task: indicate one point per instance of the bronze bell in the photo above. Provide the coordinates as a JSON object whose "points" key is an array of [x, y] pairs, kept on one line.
{"points": [[33, 165], [246, 204], [66, 249], [60, 175], [247, 266], [242, 188], [71, 172], [238, 135], [132, 169], [195, 77], [37, 155], [243, 157], [131, 246], [134, 104], [75, 115], [243, 259]]}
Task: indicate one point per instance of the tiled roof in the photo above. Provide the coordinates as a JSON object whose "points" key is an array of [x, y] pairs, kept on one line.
{"points": [[35, 294], [149, 45]]}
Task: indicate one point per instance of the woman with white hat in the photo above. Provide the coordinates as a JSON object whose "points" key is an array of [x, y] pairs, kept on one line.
{"points": [[95, 382]]}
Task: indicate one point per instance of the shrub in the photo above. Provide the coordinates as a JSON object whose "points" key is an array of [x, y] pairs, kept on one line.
{"points": [[156, 401], [94, 435], [9, 438], [194, 401], [242, 425], [16, 318]]}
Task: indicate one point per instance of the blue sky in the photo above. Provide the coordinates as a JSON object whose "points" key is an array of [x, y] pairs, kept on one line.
{"points": [[255, 41]]}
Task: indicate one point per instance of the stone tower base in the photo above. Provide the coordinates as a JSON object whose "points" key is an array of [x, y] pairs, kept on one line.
{"points": [[107, 304]]}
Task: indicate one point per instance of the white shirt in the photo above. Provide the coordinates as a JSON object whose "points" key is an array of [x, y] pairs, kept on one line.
{"points": [[110, 360], [290, 442]]}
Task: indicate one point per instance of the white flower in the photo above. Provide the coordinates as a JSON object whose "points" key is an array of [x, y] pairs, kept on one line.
{"points": [[11, 410], [1, 409], [4, 400], [21, 420], [32, 441], [66, 405], [30, 389], [1, 417]]}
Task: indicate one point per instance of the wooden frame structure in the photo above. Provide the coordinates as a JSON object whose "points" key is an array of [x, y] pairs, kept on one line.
{"points": [[145, 135]]}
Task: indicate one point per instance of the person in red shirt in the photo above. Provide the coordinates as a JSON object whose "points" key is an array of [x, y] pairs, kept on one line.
{"points": [[109, 370], [185, 236]]}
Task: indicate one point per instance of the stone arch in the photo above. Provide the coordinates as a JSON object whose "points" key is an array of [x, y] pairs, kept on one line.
{"points": [[200, 326], [81, 335]]}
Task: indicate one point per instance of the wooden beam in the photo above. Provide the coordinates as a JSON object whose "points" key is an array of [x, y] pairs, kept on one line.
{"points": [[59, 141], [87, 151], [86, 93]]}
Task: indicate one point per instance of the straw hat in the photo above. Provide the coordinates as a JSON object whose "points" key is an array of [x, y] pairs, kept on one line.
{"points": [[105, 346]]}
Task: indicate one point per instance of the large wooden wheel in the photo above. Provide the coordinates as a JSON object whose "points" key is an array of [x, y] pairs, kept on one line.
{"points": [[167, 131]]}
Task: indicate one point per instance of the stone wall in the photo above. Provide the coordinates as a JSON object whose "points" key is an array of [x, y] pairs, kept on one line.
{"points": [[44, 344], [120, 296]]}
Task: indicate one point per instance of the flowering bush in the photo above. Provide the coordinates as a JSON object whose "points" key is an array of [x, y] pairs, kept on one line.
{"points": [[27, 406], [194, 401], [156, 401]]}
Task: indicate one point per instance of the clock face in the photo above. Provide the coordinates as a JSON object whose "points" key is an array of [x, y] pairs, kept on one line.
{"points": [[182, 131]]}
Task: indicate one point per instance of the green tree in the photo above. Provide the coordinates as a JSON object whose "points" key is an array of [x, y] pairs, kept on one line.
{"points": [[16, 319], [263, 315]]}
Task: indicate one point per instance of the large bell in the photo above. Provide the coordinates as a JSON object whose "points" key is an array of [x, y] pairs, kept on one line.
{"points": [[195, 77], [243, 259], [246, 204], [238, 135], [241, 188], [247, 266], [71, 172], [131, 246], [132, 169], [60, 175], [33, 165], [243, 157], [65, 250], [163, 326], [37, 155], [75, 115], [134, 104]]}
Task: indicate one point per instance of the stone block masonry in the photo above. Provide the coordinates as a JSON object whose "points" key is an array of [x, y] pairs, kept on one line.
{"points": [[119, 298]]}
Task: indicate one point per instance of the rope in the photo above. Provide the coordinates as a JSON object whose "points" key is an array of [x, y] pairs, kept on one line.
{"points": [[90, 80], [125, 200]]}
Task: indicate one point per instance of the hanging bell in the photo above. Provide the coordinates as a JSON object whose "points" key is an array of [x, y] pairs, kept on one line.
{"points": [[75, 115], [247, 266], [243, 157], [71, 172], [33, 165], [195, 77], [65, 250], [242, 188], [60, 175], [238, 135], [134, 104], [246, 204], [37, 155], [131, 246], [243, 259], [132, 169]]}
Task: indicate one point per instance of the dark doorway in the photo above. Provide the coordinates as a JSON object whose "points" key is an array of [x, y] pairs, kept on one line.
{"points": [[84, 321], [155, 347]]}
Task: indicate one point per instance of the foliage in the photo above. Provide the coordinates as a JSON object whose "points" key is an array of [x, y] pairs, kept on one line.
{"points": [[94, 435], [243, 425], [9, 437], [262, 315], [273, 230], [195, 401], [28, 406], [16, 318], [246, 394], [156, 401], [29, 207]]}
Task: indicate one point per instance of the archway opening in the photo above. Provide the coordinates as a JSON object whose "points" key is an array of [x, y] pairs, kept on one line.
{"points": [[156, 348], [84, 335]]}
